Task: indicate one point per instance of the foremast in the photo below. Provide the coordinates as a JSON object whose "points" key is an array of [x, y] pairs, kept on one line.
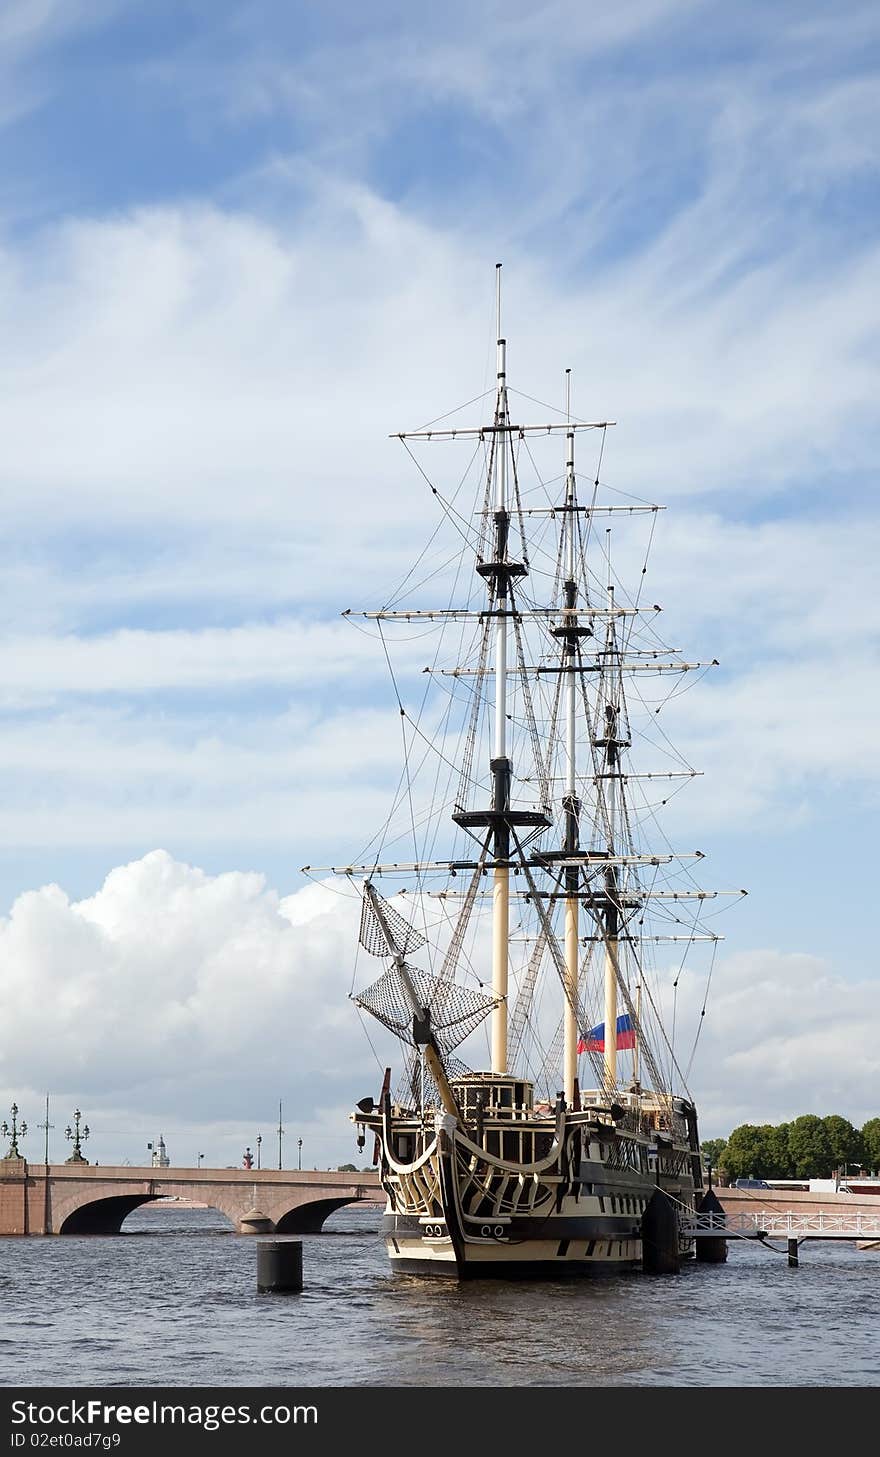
{"points": [[501, 820]]}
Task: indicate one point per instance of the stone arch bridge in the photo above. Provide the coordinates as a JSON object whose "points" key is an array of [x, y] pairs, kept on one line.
{"points": [[94, 1199]]}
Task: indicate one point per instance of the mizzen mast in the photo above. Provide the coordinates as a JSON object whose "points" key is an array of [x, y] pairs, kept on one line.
{"points": [[569, 633]]}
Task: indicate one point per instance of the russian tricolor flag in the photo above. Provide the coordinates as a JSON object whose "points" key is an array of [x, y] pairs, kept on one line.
{"points": [[594, 1040]]}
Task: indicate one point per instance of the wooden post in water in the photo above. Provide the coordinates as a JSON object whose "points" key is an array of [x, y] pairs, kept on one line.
{"points": [[792, 1254]]}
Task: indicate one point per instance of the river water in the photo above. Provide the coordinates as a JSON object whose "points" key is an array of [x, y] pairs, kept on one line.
{"points": [[172, 1301]]}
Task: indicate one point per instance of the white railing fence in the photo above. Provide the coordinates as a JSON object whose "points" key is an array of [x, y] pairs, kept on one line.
{"points": [[774, 1222]]}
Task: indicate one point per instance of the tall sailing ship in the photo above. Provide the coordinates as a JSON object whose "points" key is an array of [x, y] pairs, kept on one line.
{"points": [[576, 1150]]}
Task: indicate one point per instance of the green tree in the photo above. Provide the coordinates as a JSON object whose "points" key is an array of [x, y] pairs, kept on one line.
{"points": [[782, 1162], [713, 1151], [748, 1153], [346, 1169], [871, 1143], [810, 1148], [847, 1145]]}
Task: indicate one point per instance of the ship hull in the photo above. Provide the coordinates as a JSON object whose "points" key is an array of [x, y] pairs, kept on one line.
{"points": [[587, 1208], [574, 1248]]}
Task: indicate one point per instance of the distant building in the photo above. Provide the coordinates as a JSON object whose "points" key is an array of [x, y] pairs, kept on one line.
{"points": [[160, 1159]]}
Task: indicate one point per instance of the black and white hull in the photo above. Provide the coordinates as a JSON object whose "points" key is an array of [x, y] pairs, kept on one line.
{"points": [[573, 1200]]}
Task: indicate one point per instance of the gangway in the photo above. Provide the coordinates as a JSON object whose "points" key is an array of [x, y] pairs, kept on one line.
{"points": [[776, 1224]]}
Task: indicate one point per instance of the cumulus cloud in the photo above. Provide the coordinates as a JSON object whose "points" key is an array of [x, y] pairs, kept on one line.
{"points": [[785, 1033], [195, 998], [176, 1001], [135, 661], [200, 359]]}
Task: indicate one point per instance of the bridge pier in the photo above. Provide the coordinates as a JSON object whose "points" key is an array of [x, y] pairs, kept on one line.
{"points": [[14, 1204], [255, 1222]]}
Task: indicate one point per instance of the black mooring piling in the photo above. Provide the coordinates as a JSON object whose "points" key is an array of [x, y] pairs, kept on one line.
{"points": [[708, 1249], [279, 1266], [660, 1252], [792, 1254]]}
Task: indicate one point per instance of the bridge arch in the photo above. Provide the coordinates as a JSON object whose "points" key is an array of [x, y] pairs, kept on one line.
{"points": [[103, 1216], [92, 1213], [309, 1218]]}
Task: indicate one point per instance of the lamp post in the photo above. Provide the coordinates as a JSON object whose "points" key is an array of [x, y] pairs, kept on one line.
{"points": [[47, 1203], [199, 1164], [299, 1153], [280, 1134], [12, 1133], [79, 1136], [46, 1125], [259, 1141]]}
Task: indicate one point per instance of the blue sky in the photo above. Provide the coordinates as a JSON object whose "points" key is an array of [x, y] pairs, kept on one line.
{"points": [[239, 244]]}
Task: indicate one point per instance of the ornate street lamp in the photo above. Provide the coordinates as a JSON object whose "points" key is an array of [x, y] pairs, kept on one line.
{"points": [[201, 1156], [299, 1153], [46, 1125], [79, 1136], [259, 1141], [12, 1133]]}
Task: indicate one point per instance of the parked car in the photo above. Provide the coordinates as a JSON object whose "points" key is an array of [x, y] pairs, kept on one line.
{"points": [[750, 1184]]}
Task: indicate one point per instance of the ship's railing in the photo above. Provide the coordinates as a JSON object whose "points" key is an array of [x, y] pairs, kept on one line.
{"points": [[774, 1222]]}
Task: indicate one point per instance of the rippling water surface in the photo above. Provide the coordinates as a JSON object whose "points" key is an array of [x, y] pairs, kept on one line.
{"points": [[172, 1301]]}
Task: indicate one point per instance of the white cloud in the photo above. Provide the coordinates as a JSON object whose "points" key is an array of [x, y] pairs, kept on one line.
{"points": [[183, 365], [130, 661], [205, 363], [176, 1001], [180, 995], [785, 1033]]}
